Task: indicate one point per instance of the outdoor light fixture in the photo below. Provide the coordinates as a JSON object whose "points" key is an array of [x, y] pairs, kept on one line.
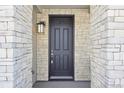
{"points": [[41, 27]]}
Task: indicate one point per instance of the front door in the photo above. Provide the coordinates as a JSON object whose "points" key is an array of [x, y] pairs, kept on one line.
{"points": [[61, 48]]}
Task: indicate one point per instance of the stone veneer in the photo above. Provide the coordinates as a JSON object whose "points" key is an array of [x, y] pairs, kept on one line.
{"points": [[98, 44], [82, 64], [23, 48], [107, 51], [6, 47], [106, 46], [15, 46], [115, 41]]}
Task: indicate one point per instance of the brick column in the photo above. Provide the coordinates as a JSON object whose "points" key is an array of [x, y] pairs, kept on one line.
{"points": [[15, 46], [98, 37], [107, 46], [6, 46], [115, 41]]}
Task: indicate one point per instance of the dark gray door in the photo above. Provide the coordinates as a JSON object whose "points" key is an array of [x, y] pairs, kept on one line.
{"points": [[61, 48]]}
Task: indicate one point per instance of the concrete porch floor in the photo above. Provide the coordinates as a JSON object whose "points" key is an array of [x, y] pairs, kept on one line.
{"points": [[62, 84]]}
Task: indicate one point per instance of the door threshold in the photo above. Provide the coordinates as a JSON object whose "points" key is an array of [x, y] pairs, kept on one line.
{"points": [[61, 78]]}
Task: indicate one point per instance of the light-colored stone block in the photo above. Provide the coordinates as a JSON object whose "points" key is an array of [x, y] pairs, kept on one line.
{"points": [[2, 53], [10, 39], [115, 26], [3, 25], [2, 78], [119, 33], [116, 12], [122, 48], [122, 83], [116, 7], [117, 81], [110, 12], [119, 19], [119, 67], [2, 69], [2, 39], [121, 12], [116, 56], [7, 12], [11, 26], [115, 63], [9, 69], [115, 74], [110, 56], [6, 84], [10, 53]]}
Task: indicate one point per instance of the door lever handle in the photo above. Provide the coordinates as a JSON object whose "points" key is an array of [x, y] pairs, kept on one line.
{"points": [[51, 54], [51, 61]]}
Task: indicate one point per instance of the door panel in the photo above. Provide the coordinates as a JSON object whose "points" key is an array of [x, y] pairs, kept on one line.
{"points": [[57, 38], [61, 47], [66, 39]]}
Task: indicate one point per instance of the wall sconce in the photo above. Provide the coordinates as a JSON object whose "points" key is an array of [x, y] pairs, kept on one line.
{"points": [[40, 26]]}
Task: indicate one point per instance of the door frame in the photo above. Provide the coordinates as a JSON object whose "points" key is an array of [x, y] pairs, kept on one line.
{"points": [[49, 41]]}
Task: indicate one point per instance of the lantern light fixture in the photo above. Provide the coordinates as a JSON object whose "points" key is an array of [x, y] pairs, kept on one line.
{"points": [[40, 26]]}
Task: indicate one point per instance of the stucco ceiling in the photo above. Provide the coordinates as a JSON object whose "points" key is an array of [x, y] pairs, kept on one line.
{"points": [[64, 6]]}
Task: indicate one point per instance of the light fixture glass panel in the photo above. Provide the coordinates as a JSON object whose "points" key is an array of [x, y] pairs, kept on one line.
{"points": [[39, 28]]}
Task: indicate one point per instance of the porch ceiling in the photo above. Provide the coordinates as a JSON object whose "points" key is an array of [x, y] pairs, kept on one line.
{"points": [[63, 6]]}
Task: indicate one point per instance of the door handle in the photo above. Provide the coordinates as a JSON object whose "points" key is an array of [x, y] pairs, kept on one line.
{"points": [[51, 56], [51, 52], [51, 61]]}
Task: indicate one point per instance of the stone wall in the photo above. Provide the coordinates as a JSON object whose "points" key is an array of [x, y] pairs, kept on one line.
{"points": [[115, 41], [82, 64], [98, 53], [106, 45], [15, 46], [6, 46], [23, 46], [107, 51]]}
